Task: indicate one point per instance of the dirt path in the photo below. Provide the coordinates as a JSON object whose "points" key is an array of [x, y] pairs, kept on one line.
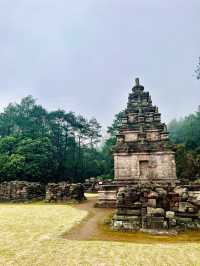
{"points": [[90, 227], [94, 228]]}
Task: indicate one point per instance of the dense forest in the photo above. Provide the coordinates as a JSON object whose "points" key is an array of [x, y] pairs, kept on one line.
{"points": [[185, 134], [38, 145]]}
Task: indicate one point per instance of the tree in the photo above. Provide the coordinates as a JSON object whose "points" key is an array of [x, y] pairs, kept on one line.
{"points": [[185, 133], [114, 128], [40, 164], [94, 132], [106, 162], [38, 145]]}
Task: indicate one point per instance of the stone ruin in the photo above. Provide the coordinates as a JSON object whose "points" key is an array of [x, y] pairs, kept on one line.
{"points": [[107, 195], [145, 190], [21, 191], [143, 152], [93, 184], [63, 191], [153, 207]]}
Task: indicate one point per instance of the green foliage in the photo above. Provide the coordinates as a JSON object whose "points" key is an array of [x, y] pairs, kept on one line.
{"points": [[38, 145], [107, 162], [185, 133], [113, 129], [105, 177]]}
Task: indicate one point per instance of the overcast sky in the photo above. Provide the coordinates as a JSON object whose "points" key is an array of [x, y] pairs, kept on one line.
{"points": [[83, 55]]}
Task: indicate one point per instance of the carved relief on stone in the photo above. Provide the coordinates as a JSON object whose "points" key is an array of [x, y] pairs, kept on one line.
{"points": [[124, 120], [132, 118], [131, 137], [149, 119], [140, 118], [164, 136], [156, 117], [153, 136]]}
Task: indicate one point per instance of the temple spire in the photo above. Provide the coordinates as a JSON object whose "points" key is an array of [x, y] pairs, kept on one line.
{"points": [[137, 85], [137, 82]]}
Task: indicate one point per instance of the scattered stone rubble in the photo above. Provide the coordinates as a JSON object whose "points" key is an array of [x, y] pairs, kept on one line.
{"points": [[63, 191], [94, 184], [91, 184], [21, 191], [154, 208]]}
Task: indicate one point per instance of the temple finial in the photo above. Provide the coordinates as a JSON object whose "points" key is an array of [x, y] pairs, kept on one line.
{"points": [[137, 82]]}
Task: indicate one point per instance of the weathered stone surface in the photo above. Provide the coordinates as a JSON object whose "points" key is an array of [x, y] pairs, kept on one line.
{"points": [[143, 152], [128, 212], [107, 196], [153, 212], [21, 191], [172, 222], [151, 203], [93, 184], [64, 191], [170, 214], [194, 197], [180, 190], [184, 206], [153, 195], [161, 191]]}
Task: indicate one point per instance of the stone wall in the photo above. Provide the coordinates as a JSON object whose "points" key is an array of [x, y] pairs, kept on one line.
{"points": [[63, 191], [21, 191], [151, 207], [142, 167]]}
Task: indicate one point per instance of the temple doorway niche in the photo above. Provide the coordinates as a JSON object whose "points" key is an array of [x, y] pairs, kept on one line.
{"points": [[144, 169]]}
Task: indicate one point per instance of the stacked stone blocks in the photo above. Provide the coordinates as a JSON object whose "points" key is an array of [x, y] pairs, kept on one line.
{"points": [[23, 191], [63, 191], [156, 207]]}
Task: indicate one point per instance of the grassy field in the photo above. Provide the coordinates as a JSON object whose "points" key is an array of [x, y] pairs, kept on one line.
{"points": [[32, 234]]}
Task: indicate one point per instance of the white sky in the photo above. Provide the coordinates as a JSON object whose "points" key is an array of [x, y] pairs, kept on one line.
{"points": [[84, 55]]}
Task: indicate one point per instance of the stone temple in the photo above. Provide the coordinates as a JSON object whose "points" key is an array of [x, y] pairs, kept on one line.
{"points": [[143, 151], [145, 192]]}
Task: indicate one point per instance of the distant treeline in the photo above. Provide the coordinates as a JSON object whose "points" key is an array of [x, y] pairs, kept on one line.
{"points": [[185, 134], [37, 145]]}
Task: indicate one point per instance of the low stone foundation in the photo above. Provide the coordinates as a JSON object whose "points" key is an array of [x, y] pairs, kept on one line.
{"points": [[63, 191], [157, 208], [21, 191], [107, 193], [107, 196]]}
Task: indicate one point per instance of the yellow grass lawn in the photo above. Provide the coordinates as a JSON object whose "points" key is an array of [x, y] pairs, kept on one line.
{"points": [[31, 234]]}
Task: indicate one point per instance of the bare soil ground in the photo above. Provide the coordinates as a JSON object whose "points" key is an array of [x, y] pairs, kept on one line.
{"points": [[91, 227]]}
